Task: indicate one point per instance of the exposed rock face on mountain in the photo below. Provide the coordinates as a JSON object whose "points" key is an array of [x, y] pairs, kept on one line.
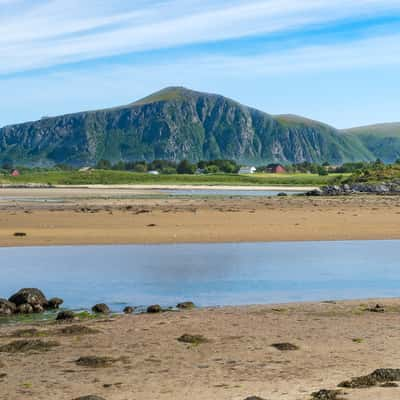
{"points": [[176, 124]]}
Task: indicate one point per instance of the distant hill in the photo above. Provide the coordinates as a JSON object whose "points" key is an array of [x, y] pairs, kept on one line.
{"points": [[177, 123]]}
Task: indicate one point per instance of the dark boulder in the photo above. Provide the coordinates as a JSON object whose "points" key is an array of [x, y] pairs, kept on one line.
{"points": [[38, 308], [129, 310], [65, 315], [101, 309], [90, 397], [30, 296], [7, 307], [186, 305], [254, 398], [54, 303], [25, 309], [154, 309]]}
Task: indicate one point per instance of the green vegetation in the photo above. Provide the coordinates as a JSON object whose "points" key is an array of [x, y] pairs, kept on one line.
{"points": [[376, 172], [110, 177]]}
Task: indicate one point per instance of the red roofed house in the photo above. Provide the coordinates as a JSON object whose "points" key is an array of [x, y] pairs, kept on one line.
{"points": [[276, 169], [15, 173]]}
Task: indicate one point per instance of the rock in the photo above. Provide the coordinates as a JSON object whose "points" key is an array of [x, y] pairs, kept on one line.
{"points": [[326, 395], [25, 309], [37, 308], [7, 307], [129, 310], [90, 397], [65, 315], [29, 296], [155, 308], [254, 398], [23, 346], [95, 361], [54, 303], [315, 192], [285, 346], [187, 305], [382, 375], [378, 309], [101, 309], [192, 339], [282, 194]]}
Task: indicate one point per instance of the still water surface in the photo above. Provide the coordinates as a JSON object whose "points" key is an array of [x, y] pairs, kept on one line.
{"points": [[208, 274]]}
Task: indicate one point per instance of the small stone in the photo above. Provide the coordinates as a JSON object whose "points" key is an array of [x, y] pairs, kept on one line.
{"points": [[65, 315], [54, 303], [285, 346], [37, 308], [186, 305], [7, 307], [101, 309], [90, 397], [155, 308], [25, 309]]}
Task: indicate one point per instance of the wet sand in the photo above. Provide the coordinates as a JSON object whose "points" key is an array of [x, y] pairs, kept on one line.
{"points": [[335, 343], [124, 216]]}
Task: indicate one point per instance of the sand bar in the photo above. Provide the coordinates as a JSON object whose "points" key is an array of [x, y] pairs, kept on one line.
{"points": [[111, 216]]}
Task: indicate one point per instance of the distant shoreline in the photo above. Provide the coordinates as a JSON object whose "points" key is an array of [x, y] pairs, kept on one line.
{"points": [[107, 216]]}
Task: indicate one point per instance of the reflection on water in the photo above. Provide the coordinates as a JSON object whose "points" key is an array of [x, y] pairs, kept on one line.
{"points": [[208, 274]]}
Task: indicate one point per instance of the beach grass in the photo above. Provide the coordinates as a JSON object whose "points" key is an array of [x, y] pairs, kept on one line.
{"points": [[106, 177]]}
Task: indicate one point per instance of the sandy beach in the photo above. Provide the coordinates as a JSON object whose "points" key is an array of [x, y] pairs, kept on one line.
{"points": [[124, 216], [335, 342]]}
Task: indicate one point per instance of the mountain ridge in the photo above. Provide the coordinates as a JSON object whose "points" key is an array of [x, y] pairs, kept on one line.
{"points": [[176, 123]]}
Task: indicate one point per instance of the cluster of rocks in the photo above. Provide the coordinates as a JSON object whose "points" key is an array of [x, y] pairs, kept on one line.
{"points": [[31, 300], [346, 189], [28, 301]]}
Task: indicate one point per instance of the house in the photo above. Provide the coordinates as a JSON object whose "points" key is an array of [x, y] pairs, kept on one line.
{"points": [[153, 173], [276, 169], [247, 170], [15, 173], [85, 169]]}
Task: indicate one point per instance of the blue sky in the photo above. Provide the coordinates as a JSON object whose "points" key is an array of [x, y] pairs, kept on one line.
{"points": [[336, 61]]}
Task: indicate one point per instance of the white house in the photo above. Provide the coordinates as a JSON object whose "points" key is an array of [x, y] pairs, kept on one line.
{"points": [[153, 173], [247, 170]]}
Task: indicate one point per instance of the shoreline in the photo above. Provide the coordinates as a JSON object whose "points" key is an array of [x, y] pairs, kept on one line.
{"points": [[328, 343]]}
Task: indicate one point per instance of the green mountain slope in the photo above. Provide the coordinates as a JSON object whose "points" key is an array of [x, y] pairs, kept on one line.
{"points": [[383, 140], [177, 123]]}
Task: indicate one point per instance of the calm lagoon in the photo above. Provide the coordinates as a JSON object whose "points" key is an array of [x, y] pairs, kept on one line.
{"points": [[208, 274]]}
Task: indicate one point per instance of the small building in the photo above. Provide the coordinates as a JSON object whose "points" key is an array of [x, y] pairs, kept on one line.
{"points": [[153, 173], [276, 169], [15, 172], [247, 170], [85, 169]]}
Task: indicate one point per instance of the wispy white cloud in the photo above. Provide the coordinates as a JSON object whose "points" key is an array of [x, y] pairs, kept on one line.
{"points": [[52, 32]]}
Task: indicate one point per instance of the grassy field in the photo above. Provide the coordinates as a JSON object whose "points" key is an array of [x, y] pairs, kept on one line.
{"points": [[124, 177]]}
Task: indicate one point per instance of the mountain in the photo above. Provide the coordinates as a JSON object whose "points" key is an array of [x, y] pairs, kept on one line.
{"points": [[383, 140], [177, 123]]}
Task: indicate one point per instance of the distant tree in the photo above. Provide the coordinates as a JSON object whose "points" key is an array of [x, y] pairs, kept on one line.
{"points": [[322, 171], [103, 164], [211, 169], [140, 167], [185, 167]]}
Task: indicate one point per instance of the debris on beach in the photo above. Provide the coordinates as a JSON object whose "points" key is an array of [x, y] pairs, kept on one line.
{"points": [[192, 339], [23, 346], [285, 346], [382, 375]]}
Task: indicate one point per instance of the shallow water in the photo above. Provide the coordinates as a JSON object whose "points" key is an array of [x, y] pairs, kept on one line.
{"points": [[227, 193], [208, 274]]}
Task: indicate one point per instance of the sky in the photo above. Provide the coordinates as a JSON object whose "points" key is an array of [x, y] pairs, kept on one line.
{"points": [[337, 61]]}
